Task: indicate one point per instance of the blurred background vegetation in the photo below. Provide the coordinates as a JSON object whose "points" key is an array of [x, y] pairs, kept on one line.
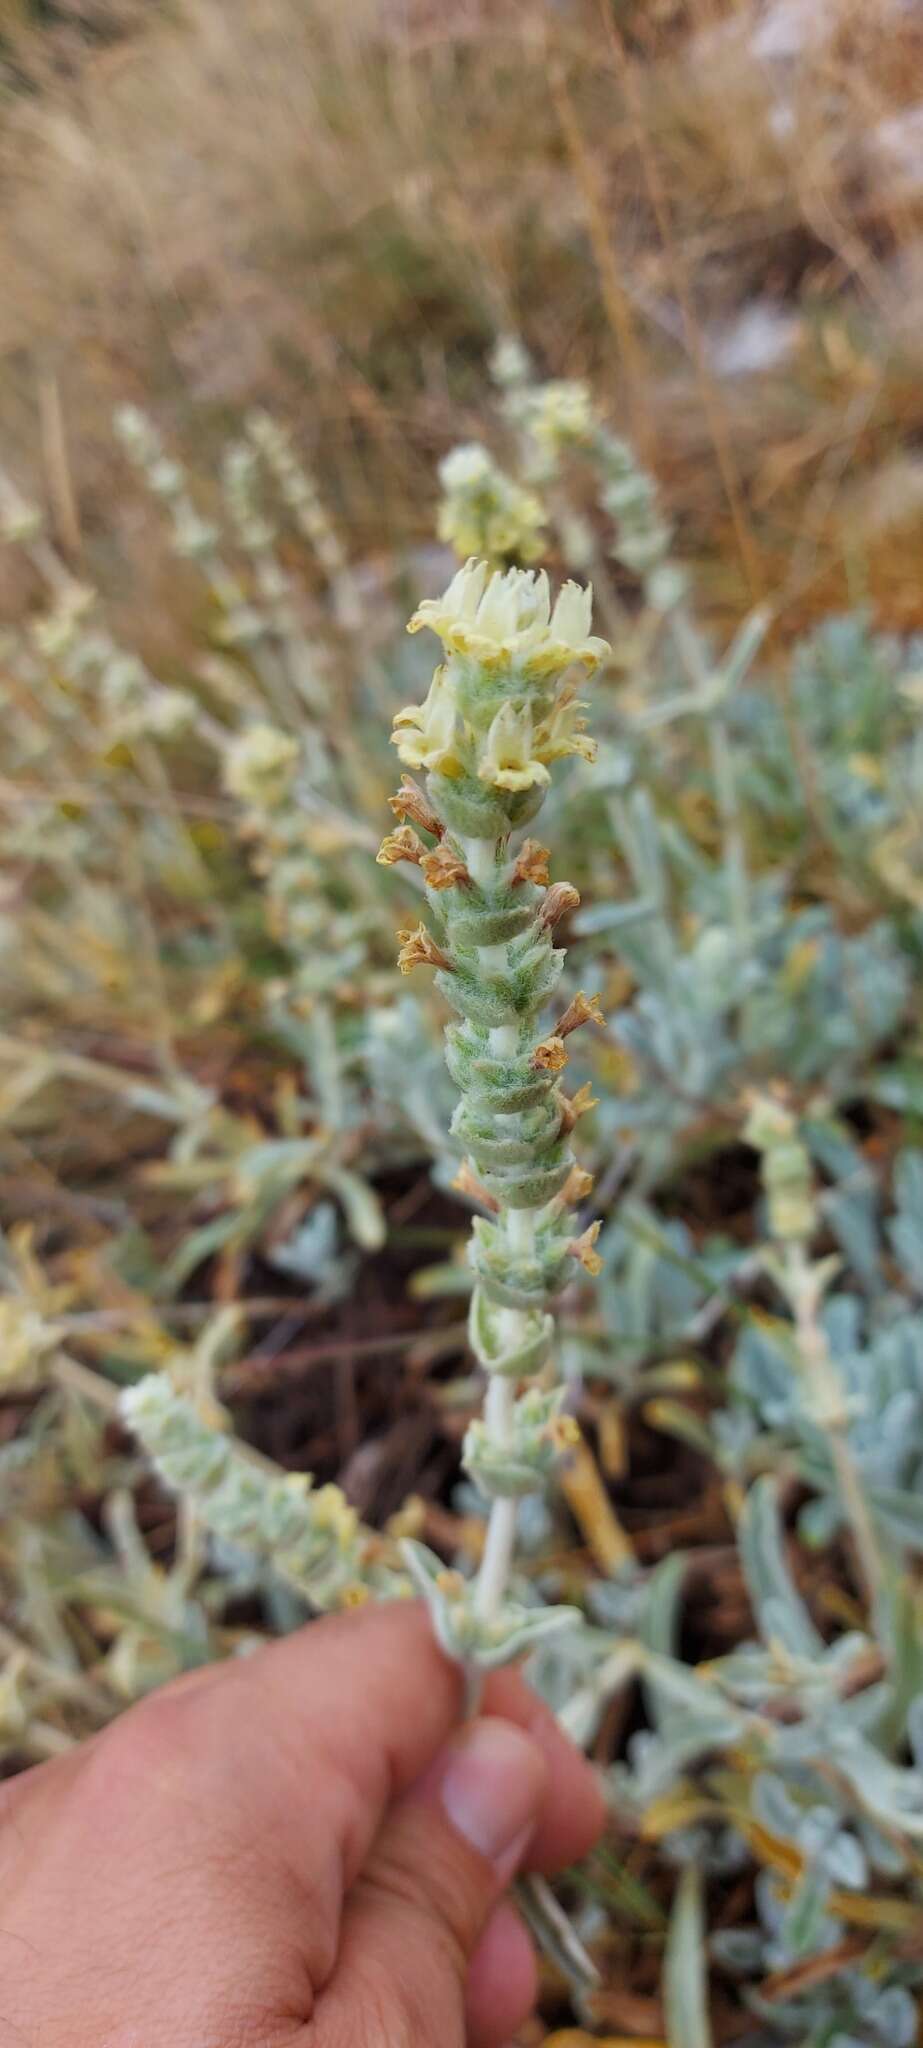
{"points": [[712, 211]]}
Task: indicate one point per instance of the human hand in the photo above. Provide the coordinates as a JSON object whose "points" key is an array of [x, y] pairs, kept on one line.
{"points": [[299, 1849]]}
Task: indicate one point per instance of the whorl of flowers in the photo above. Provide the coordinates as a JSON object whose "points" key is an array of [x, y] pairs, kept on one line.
{"points": [[560, 415], [499, 712], [558, 419], [503, 706], [483, 512]]}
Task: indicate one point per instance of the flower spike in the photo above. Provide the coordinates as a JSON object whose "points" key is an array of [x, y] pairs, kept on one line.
{"points": [[501, 710]]}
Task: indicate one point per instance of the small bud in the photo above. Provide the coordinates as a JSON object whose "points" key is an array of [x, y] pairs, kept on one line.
{"points": [[583, 1010], [466, 1183], [354, 1596], [561, 899], [409, 1520], [563, 1432], [532, 863], [410, 802], [582, 1249], [576, 1106], [549, 1056], [400, 845], [419, 949], [331, 1511], [443, 869]]}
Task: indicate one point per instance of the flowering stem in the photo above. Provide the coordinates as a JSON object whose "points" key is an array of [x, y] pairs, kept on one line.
{"points": [[497, 1559], [498, 712]]}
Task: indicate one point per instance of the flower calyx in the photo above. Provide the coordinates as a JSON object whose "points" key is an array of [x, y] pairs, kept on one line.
{"points": [[583, 1249], [400, 845], [419, 949], [582, 1009], [443, 868], [561, 900], [410, 802], [531, 864], [573, 1107], [550, 1055]]}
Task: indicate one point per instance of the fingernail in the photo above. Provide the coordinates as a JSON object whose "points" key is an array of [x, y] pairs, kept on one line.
{"points": [[493, 1783]]}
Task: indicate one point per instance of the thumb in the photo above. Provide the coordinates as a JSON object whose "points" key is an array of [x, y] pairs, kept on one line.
{"points": [[442, 1860]]}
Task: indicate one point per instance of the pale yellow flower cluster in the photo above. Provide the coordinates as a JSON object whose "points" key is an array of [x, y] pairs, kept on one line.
{"points": [[507, 621], [561, 415], [483, 512], [504, 627]]}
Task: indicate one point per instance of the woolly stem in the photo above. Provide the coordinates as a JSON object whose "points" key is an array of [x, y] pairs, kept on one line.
{"points": [[499, 1403], [493, 1576], [480, 859]]}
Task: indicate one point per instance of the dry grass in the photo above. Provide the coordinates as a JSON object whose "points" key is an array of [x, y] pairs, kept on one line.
{"points": [[713, 210]]}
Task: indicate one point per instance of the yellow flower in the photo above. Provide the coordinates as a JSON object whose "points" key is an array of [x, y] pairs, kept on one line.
{"points": [[562, 415], [484, 512], [331, 1511], [355, 1595], [506, 620], [562, 1432], [431, 734], [508, 760], [562, 732]]}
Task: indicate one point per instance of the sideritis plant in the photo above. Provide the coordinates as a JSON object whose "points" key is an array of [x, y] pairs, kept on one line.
{"points": [[501, 710]]}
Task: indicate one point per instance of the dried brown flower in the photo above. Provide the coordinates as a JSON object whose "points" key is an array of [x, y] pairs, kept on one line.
{"points": [[410, 802], [419, 949], [583, 1009]]}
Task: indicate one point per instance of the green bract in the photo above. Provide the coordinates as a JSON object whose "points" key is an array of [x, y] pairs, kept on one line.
{"points": [[461, 1631]]}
